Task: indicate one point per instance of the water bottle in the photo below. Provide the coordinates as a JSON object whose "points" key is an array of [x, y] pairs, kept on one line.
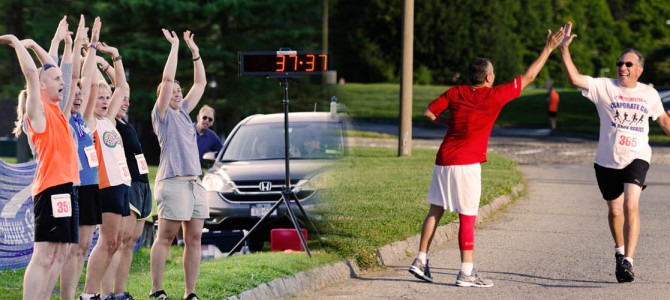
{"points": [[333, 107]]}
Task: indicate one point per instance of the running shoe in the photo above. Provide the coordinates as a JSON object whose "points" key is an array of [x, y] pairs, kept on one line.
{"points": [[472, 281], [124, 296], [159, 295], [420, 271], [624, 272]]}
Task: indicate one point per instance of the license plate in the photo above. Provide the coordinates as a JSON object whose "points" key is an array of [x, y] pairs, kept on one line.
{"points": [[259, 210]]}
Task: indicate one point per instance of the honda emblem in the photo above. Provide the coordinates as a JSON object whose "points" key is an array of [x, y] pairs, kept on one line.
{"points": [[265, 186]]}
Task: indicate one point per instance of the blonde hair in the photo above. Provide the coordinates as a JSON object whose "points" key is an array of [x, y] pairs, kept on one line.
{"points": [[20, 113], [102, 84]]}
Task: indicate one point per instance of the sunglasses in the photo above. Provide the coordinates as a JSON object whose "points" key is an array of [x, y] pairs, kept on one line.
{"points": [[621, 63], [207, 118], [44, 68]]}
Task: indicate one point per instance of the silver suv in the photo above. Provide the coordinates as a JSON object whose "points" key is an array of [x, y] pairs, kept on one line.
{"points": [[248, 175]]}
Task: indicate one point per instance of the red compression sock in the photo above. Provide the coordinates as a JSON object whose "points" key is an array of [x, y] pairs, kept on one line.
{"points": [[466, 232]]}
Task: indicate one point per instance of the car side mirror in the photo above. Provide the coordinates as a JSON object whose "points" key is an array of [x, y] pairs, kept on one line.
{"points": [[209, 156]]}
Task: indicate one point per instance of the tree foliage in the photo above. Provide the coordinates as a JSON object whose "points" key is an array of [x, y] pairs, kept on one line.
{"points": [[509, 32]]}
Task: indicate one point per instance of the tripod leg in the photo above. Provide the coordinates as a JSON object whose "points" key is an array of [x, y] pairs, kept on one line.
{"points": [[286, 195], [246, 237], [302, 210]]}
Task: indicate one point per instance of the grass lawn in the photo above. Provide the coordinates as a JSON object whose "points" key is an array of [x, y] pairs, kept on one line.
{"points": [[380, 198]]}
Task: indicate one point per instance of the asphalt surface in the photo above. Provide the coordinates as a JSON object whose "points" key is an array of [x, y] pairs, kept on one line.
{"points": [[554, 243]]}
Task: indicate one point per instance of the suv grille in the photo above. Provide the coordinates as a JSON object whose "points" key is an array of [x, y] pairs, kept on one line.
{"points": [[250, 191]]}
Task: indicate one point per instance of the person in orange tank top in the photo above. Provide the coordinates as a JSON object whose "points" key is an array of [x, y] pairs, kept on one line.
{"points": [[57, 170]]}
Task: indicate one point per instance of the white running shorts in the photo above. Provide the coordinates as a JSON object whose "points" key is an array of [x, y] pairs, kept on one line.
{"points": [[457, 188]]}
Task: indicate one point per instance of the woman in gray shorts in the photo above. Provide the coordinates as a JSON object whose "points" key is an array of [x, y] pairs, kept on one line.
{"points": [[180, 196]]}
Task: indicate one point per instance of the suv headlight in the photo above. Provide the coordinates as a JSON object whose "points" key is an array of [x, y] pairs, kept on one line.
{"points": [[316, 182], [217, 182]]}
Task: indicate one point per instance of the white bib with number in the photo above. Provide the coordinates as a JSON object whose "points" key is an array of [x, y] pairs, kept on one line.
{"points": [[627, 142], [125, 172], [142, 164], [92, 156], [61, 205]]}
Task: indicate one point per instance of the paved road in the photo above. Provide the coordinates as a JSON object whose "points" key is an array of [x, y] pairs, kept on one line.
{"points": [[552, 244]]}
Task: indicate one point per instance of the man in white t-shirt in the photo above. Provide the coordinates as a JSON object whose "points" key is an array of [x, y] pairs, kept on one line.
{"points": [[622, 160]]}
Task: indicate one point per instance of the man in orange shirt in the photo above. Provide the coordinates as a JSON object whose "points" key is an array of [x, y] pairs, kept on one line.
{"points": [[47, 128]]}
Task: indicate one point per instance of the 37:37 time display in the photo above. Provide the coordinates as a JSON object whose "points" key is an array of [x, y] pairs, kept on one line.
{"points": [[282, 63], [307, 62]]}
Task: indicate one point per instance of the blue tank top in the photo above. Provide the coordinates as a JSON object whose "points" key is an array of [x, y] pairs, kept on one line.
{"points": [[87, 175]]}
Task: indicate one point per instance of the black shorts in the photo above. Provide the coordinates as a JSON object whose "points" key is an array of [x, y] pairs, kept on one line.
{"points": [[90, 208], [50, 229], [611, 181], [552, 113], [140, 199], [114, 199]]}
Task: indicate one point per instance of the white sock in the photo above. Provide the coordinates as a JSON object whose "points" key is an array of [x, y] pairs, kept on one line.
{"points": [[87, 296], [621, 250], [466, 268], [630, 260], [422, 257]]}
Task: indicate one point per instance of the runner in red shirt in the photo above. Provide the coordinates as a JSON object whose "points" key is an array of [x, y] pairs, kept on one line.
{"points": [[456, 183]]}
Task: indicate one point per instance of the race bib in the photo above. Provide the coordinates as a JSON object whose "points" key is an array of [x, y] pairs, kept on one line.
{"points": [[92, 156], [125, 172], [627, 141], [61, 205], [142, 164]]}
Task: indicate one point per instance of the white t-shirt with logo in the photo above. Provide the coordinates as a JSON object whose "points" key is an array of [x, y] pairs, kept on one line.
{"points": [[624, 120]]}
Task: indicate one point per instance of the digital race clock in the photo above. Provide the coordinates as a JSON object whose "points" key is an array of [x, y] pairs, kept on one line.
{"points": [[282, 63]]}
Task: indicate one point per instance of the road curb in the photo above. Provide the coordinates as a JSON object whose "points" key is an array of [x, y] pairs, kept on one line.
{"points": [[330, 275]]}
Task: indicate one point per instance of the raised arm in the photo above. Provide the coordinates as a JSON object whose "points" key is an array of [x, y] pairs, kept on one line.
{"points": [[120, 83], [66, 68], [536, 66], [165, 93], [60, 34], [199, 78], [79, 39], [34, 106], [574, 77], [88, 77]]}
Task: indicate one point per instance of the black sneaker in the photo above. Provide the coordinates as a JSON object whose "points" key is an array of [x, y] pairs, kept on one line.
{"points": [[420, 271], [159, 295], [624, 272]]}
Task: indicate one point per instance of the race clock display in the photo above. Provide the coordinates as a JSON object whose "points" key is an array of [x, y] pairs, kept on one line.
{"points": [[282, 63]]}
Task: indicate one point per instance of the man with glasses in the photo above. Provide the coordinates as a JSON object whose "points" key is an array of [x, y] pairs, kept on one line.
{"points": [[623, 154], [207, 139]]}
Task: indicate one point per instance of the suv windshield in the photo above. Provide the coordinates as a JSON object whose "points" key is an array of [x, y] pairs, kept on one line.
{"points": [[266, 141]]}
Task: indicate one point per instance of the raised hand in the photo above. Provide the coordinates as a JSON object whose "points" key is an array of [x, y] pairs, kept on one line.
{"points": [[82, 31], [104, 48], [9, 39], [188, 38], [567, 36], [555, 40], [62, 31], [28, 43], [95, 32], [171, 36]]}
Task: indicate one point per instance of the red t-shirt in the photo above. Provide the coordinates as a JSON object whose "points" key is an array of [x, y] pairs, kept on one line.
{"points": [[472, 114]]}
